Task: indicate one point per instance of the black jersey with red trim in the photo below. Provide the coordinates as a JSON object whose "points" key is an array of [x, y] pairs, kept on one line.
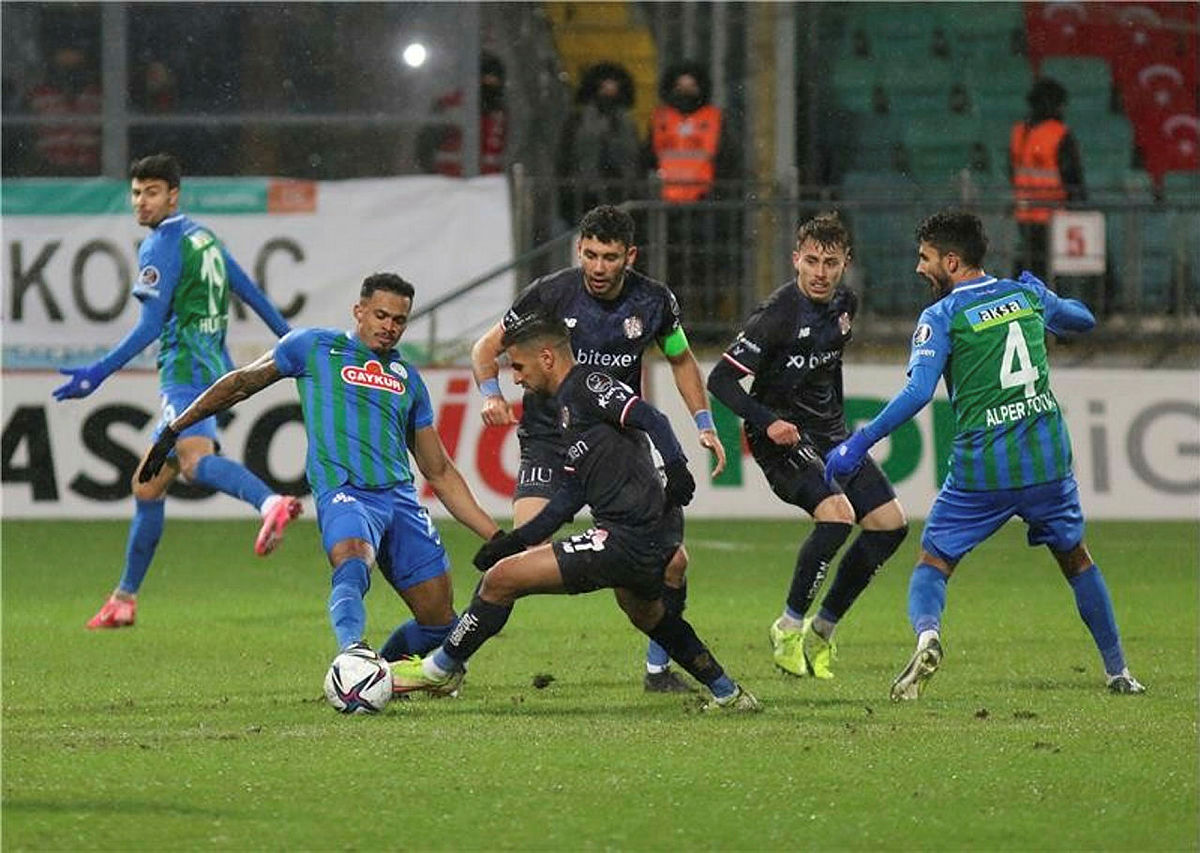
{"points": [[793, 347], [618, 479], [610, 334]]}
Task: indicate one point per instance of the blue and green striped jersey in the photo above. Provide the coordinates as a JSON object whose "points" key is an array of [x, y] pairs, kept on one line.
{"points": [[360, 409], [987, 338], [184, 278]]}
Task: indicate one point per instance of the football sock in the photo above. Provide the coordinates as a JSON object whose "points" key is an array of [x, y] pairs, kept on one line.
{"points": [[926, 598], [1095, 607], [347, 613], [675, 601], [477, 624], [413, 638], [859, 564], [225, 475], [812, 561], [677, 636], [144, 532]]}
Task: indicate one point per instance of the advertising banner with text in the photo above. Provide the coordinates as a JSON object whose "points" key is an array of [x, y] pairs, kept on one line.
{"points": [[1136, 437], [70, 255]]}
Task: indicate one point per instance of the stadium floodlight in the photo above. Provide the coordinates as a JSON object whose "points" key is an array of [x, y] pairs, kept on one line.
{"points": [[415, 54]]}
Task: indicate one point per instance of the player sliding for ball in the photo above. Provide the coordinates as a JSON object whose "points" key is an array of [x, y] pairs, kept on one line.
{"points": [[638, 522]]}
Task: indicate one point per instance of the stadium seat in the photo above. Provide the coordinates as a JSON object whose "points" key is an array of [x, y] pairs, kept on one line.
{"points": [[1079, 74], [1182, 186]]}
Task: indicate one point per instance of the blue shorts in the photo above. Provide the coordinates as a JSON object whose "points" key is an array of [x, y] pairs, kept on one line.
{"points": [[407, 546], [176, 398], [960, 520]]}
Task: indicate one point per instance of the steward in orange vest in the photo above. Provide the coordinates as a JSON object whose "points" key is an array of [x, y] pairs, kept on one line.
{"points": [[687, 143], [1044, 161]]}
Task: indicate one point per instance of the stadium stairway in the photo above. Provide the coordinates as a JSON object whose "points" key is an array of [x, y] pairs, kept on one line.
{"points": [[588, 33]]}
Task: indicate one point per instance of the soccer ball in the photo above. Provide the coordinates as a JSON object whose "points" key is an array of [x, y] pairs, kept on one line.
{"points": [[358, 682]]}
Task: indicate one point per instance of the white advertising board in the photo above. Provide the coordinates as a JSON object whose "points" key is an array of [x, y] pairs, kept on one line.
{"points": [[1136, 436], [68, 275]]}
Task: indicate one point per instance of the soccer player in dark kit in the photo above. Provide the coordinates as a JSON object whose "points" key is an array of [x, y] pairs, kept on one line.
{"points": [[613, 314], [792, 347], [638, 522]]}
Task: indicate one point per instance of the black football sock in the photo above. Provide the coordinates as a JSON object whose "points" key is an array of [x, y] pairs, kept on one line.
{"points": [[812, 561], [677, 636], [476, 626], [675, 600], [859, 564]]}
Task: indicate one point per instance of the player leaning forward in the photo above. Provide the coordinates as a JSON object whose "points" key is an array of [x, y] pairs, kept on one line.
{"points": [[365, 409], [638, 521], [614, 314], [792, 347], [1011, 454]]}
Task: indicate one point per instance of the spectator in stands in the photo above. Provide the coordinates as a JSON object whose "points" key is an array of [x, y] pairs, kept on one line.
{"points": [[939, 46], [959, 100], [1045, 171], [69, 89], [439, 146], [599, 156], [691, 153], [880, 103]]}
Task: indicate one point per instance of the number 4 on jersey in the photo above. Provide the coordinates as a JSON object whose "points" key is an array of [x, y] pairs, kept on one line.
{"points": [[1016, 367]]}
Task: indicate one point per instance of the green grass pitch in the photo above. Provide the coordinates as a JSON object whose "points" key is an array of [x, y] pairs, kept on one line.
{"points": [[204, 726]]}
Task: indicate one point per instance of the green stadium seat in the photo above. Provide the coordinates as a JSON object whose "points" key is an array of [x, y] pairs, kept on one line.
{"points": [[988, 21], [1079, 74], [1012, 76], [1182, 186]]}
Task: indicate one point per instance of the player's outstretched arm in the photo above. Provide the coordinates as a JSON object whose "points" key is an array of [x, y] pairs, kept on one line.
{"points": [[84, 380], [449, 484], [230, 389], [690, 383], [485, 364], [252, 295]]}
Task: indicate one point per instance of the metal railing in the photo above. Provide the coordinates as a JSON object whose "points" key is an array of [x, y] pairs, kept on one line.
{"points": [[721, 257]]}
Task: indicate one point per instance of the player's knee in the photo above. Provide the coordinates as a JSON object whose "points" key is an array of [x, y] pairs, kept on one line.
{"points": [[644, 615], [673, 574], [152, 491], [835, 509], [1073, 562]]}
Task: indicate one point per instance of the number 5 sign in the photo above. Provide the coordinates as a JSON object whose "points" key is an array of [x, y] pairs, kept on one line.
{"points": [[1077, 242]]}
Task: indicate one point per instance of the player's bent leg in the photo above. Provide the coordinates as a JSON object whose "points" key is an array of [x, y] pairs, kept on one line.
{"points": [[674, 633], [431, 603], [440, 673], [659, 677], [200, 464]]}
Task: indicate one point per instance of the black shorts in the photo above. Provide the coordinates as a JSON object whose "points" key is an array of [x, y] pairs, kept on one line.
{"points": [[608, 557], [797, 476], [539, 473]]}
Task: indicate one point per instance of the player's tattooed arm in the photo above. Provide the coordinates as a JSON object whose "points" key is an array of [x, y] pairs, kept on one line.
{"points": [[229, 390]]}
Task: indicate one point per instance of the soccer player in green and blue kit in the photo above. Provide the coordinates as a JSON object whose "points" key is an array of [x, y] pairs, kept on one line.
{"points": [[1011, 453], [365, 409], [184, 278]]}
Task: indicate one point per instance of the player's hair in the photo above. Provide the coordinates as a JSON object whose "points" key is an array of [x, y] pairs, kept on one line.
{"points": [[955, 231], [163, 167], [388, 281], [537, 329], [608, 224], [826, 230]]}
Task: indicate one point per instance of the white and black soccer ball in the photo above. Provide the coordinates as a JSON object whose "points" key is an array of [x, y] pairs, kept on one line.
{"points": [[358, 682]]}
